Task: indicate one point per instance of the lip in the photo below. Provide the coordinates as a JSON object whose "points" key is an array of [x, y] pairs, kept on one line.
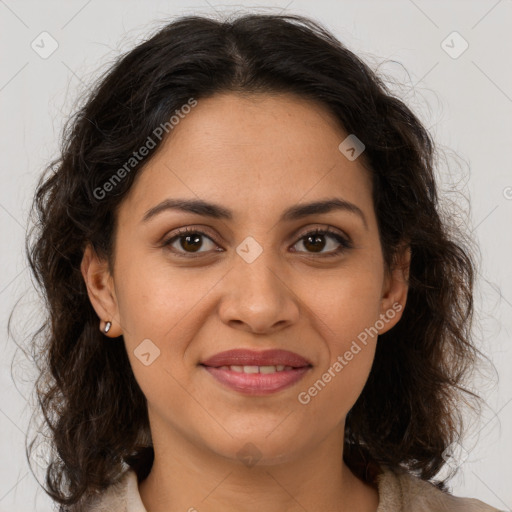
{"points": [[244, 357], [257, 383]]}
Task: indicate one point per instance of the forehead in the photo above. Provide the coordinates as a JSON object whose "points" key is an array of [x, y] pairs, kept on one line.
{"points": [[254, 154]]}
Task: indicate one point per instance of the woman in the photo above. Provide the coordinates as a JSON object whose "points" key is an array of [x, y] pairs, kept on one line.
{"points": [[253, 299]]}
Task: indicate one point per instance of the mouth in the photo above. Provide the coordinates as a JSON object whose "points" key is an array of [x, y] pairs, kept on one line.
{"points": [[244, 357], [257, 373]]}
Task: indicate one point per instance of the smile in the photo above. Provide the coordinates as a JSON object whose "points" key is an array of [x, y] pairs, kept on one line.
{"points": [[257, 380]]}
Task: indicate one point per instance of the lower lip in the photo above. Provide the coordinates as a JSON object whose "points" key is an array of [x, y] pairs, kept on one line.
{"points": [[257, 383]]}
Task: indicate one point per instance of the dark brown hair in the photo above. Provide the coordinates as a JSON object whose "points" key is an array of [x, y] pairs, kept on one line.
{"points": [[410, 409]]}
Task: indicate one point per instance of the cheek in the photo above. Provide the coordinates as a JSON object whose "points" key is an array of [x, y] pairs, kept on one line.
{"points": [[155, 298], [345, 314], [334, 390], [347, 357], [161, 309], [343, 304]]}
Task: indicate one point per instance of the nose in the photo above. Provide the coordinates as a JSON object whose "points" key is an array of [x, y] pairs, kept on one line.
{"points": [[259, 297]]}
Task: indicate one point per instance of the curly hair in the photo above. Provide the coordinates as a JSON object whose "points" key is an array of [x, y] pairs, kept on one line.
{"points": [[409, 411]]}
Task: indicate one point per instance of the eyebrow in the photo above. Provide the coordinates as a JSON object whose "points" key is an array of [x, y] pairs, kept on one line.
{"points": [[216, 211]]}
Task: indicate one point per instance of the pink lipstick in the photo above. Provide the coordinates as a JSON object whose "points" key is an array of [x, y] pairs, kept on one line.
{"points": [[257, 372]]}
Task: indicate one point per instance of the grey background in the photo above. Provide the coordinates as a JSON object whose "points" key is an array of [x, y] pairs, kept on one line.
{"points": [[466, 102]]}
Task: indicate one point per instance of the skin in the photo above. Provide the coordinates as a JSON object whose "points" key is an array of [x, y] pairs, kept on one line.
{"points": [[255, 155]]}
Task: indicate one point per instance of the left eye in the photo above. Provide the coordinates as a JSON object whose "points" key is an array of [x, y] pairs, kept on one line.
{"points": [[313, 239], [191, 241]]}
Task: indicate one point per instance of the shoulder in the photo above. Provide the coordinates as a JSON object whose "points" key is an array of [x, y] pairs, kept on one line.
{"points": [[399, 491], [403, 492], [121, 496]]}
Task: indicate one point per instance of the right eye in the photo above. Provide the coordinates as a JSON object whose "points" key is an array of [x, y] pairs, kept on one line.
{"points": [[188, 238]]}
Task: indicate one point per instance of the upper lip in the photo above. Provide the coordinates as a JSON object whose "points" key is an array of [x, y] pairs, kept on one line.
{"points": [[243, 357]]}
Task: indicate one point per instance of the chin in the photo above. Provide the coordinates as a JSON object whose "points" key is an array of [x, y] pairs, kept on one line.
{"points": [[259, 449]]}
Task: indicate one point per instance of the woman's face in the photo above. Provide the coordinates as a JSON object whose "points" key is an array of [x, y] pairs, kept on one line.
{"points": [[252, 279]]}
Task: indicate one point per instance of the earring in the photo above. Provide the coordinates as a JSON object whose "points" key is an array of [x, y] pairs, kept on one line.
{"points": [[107, 327]]}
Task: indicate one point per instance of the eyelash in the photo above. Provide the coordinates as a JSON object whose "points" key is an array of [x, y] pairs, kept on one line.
{"points": [[344, 242]]}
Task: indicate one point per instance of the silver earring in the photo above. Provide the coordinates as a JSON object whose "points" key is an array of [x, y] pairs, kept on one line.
{"points": [[107, 327]]}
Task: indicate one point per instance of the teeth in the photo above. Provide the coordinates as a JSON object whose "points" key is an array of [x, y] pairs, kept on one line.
{"points": [[268, 369], [256, 369]]}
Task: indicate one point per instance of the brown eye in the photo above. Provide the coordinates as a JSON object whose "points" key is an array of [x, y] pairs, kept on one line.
{"points": [[187, 241], [314, 242], [191, 242]]}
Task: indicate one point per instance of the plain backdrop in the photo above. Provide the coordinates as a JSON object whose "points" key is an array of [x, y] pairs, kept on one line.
{"points": [[450, 62]]}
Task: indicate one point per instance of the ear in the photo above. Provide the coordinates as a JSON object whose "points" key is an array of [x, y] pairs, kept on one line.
{"points": [[395, 288], [100, 288]]}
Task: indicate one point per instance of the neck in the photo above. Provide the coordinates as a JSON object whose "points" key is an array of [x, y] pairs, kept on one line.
{"points": [[187, 476]]}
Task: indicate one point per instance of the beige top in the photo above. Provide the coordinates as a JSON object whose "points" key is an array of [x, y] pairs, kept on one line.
{"points": [[398, 492]]}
